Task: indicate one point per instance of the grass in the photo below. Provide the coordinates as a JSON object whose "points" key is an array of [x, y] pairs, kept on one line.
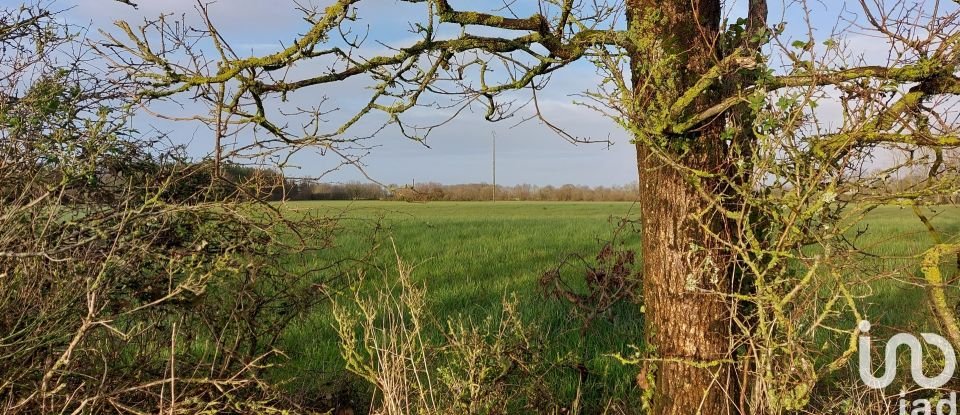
{"points": [[896, 235], [471, 255]]}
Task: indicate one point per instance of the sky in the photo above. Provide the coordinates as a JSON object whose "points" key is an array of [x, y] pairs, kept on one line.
{"points": [[460, 151]]}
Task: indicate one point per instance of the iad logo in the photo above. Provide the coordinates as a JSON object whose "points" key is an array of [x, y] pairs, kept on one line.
{"points": [[920, 406], [916, 359]]}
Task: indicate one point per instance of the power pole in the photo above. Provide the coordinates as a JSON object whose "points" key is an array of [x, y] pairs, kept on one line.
{"points": [[494, 166]]}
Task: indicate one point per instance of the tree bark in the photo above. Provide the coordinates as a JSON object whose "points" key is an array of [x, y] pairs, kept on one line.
{"points": [[685, 272]]}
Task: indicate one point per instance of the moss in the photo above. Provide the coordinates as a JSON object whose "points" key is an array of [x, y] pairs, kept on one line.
{"points": [[930, 267], [475, 18]]}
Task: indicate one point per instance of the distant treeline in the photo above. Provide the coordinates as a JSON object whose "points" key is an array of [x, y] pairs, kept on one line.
{"points": [[423, 192], [271, 185], [197, 182]]}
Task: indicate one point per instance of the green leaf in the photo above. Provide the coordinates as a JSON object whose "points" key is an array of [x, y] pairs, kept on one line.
{"points": [[784, 103]]}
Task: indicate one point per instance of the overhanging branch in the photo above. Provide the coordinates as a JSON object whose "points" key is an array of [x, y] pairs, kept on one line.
{"points": [[932, 79], [841, 141]]}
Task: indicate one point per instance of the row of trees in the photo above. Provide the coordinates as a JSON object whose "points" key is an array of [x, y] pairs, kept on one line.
{"points": [[431, 191], [268, 184]]}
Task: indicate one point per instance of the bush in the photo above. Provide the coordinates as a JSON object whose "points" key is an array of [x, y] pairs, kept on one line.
{"points": [[491, 367], [118, 294]]}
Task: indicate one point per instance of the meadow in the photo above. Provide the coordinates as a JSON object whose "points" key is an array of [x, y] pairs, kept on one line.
{"points": [[472, 255]]}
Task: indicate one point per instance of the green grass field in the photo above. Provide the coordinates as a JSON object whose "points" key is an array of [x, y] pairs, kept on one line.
{"points": [[472, 255]]}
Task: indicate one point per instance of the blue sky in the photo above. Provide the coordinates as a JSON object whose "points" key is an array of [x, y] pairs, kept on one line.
{"points": [[459, 151]]}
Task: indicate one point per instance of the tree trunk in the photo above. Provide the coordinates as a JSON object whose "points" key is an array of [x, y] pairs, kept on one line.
{"points": [[685, 272], [684, 275]]}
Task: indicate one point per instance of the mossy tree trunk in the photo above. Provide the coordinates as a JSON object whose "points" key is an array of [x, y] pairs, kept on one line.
{"points": [[685, 272]]}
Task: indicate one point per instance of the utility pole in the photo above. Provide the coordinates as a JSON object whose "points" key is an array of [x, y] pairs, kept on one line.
{"points": [[494, 166]]}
